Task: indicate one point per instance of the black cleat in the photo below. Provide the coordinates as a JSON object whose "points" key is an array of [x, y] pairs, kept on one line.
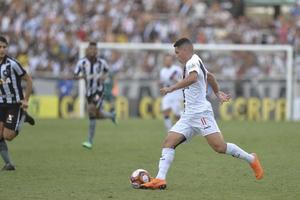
{"points": [[8, 167], [29, 119]]}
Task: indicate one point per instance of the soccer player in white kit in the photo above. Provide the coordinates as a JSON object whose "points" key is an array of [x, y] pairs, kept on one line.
{"points": [[171, 102], [198, 117]]}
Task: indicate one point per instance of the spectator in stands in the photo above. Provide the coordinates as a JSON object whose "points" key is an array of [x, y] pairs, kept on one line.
{"points": [[53, 38]]}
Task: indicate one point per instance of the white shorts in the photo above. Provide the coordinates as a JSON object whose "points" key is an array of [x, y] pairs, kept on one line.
{"points": [[203, 123], [172, 102]]}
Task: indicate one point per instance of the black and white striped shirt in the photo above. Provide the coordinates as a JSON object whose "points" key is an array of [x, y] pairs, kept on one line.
{"points": [[10, 81], [93, 71]]}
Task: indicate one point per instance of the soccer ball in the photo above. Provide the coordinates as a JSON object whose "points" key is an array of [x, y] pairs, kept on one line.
{"points": [[139, 177]]}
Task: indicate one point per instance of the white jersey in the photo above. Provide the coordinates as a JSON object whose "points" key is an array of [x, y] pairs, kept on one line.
{"points": [[170, 76], [195, 95]]}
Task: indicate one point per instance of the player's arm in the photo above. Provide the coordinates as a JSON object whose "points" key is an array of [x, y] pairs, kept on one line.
{"points": [[28, 90], [78, 72], [21, 74], [211, 79], [189, 80]]}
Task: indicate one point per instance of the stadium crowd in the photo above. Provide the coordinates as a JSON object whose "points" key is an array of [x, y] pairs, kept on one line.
{"points": [[44, 34]]}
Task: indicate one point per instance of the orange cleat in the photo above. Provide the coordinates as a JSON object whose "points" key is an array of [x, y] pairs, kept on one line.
{"points": [[155, 184], [257, 168]]}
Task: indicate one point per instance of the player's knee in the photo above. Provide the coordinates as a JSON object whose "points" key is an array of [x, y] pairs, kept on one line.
{"points": [[9, 137], [92, 110], [9, 134], [169, 144], [92, 114]]}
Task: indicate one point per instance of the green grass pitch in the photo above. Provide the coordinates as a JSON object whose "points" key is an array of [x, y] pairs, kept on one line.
{"points": [[51, 164]]}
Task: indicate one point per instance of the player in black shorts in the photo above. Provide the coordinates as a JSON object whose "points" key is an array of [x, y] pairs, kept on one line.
{"points": [[13, 103], [94, 71]]}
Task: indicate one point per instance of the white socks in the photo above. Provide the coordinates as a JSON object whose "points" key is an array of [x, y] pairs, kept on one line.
{"points": [[237, 152], [168, 154], [167, 157], [168, 123]]}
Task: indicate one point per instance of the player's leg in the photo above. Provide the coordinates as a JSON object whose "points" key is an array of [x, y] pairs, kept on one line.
{"points": [[101, 114], [3, 147], [216, 141], [106, 115], [10, 125], [167, 118], [6, 133], [179, 133], [92, 112], [13, 122], [172, 140], [4, 152], [177, 108], [9, 135], [166, 110]]}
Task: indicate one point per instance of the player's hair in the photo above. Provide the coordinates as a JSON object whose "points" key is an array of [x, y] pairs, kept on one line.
{"points": [[182, 41], [3, 39], [92, 44]]}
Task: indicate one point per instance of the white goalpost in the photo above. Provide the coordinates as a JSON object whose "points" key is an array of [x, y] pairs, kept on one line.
{"points": [[127, 47]]}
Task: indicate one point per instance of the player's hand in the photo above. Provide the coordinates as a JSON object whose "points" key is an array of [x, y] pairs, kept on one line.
{"points": [[24, 104], [223, 97], [165, 90]]}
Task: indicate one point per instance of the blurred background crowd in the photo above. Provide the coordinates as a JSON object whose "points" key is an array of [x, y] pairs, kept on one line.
{"points": [[44, 34]]}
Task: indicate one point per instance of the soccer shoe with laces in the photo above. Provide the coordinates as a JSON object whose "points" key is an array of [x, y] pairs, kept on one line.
{"points": [[257, 168], [87, 145], [155, 184]]}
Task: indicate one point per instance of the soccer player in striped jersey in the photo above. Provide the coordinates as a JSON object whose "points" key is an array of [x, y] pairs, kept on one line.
{"points": [[94, 71], [171, 102], [13, 103], [198, 117]]}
